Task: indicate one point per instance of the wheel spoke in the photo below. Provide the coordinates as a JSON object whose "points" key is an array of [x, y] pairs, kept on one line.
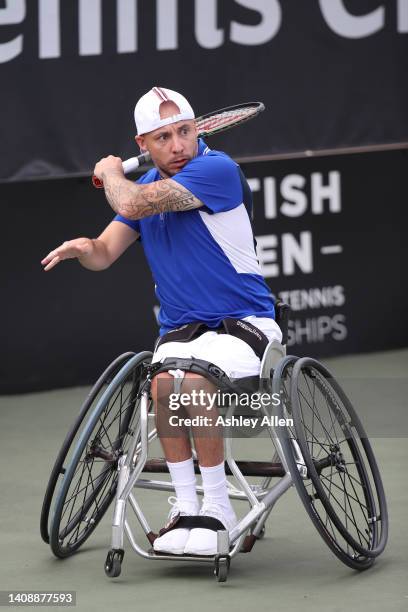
{"points": [[350, 517], [76, 493], [357, 500], [66, 503], [342, 489], [317, 416]]}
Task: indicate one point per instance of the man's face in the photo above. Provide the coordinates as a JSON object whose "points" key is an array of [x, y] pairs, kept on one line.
{"points": [[172, 146]]}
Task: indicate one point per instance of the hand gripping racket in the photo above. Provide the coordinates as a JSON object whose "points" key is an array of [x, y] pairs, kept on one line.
{"points": [[207, 125]]}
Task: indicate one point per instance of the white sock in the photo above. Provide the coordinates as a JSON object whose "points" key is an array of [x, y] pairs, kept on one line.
{"points": [[184, 482], [215, 487]]}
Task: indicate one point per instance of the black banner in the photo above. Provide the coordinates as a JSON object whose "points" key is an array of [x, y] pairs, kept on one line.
{"points": [[331, 242], [332, 74]]}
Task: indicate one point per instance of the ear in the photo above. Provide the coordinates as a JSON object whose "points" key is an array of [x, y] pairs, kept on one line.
{"points": [[140, 140]]}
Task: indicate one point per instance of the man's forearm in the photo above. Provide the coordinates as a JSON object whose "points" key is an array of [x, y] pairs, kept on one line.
{"points": [[138, 201], [97, 258], [121, 194]]}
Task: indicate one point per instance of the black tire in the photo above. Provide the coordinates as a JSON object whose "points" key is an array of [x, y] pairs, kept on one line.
{"points": [[115, 570], [221, 568], [59, 469], [339, 457], [321, 518], [113, 563], [90, 480]]}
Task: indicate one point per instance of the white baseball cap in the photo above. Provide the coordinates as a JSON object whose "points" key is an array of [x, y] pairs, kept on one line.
{"points": [[147, 109]]}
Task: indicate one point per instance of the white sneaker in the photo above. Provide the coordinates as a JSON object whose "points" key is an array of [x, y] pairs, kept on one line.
{"points": [[174, 541], [204, 541]]}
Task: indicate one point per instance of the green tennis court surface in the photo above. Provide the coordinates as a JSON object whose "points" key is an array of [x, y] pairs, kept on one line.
{"points": [[290, 569]]}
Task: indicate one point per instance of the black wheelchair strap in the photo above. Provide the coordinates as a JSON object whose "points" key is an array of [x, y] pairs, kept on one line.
{"points": [[212, 372], [185, 333], [248, 333], [243, 330], [193, 522]]}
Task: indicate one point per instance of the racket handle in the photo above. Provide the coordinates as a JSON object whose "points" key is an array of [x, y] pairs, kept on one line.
{"points": [[129, 165]]}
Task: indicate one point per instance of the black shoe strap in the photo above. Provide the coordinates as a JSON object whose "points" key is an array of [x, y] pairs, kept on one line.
{"points": [[193, 522]]}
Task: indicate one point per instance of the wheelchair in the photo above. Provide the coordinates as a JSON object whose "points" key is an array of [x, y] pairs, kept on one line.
{"points": [[317, 444]]}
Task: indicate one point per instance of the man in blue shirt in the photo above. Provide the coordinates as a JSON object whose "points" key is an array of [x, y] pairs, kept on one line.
{"points": [[191, 215]]}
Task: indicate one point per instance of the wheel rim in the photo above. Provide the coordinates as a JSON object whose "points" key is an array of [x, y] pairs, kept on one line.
{"points": [[344, 477], [94, 481], [321, 518], [58, 468], [92, 476]]}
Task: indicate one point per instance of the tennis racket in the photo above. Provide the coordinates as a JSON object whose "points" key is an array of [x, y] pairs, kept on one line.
{"points": [[207, 125]]}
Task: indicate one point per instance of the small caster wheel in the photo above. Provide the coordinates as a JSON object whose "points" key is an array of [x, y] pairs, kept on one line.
{"points": [[221, 567], [113, 563]]}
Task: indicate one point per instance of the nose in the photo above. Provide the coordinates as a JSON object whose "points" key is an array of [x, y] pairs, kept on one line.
{"points": [[177, 144]]}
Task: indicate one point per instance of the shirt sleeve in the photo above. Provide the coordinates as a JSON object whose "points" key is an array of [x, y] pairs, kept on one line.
{"points": [[134, 224], [214, 180]]}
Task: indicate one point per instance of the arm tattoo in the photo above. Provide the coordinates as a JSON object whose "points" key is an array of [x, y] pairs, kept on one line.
{"points": [[137, 201]]}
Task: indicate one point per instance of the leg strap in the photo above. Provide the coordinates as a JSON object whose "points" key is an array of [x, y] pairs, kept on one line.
{"points": [[197, 366], [178, 376], [209, 370]]}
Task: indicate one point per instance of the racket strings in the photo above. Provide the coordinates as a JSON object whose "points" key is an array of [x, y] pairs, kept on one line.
{"points": [[222, 120]]}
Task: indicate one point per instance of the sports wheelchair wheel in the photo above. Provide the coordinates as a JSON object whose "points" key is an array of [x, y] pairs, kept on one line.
{"points": [[59, 468], [331, 462], [90, 480]]}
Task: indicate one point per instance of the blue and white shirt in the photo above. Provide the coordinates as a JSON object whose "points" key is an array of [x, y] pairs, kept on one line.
{"points": [[203, 261]]}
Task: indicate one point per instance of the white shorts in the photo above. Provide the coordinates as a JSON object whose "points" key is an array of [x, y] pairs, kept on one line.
{"points": [[229, 353]]}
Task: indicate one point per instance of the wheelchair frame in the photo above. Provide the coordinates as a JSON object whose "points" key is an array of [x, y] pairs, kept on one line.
{"points": [[291, 462], [261, 501]]}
